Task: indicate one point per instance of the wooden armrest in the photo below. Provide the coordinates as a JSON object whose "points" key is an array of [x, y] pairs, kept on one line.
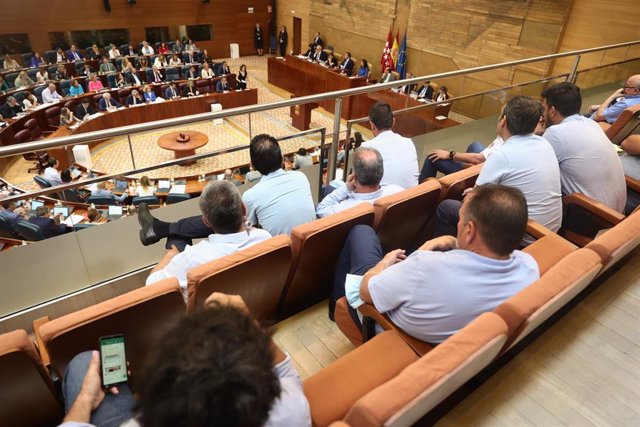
{"points": [[598, 209], [369, 311], [44, 355], [632, 184], [537, 231]]}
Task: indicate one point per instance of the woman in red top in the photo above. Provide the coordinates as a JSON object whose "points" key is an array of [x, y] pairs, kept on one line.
{"points": [[163, 48]]}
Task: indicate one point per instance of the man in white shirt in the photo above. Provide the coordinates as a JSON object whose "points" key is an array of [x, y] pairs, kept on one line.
{"points": [[446, 283], [588, 161], [52, 173], [362, 186], [524, 161], [49, 94], [224, 369], [114, 52], [222, 212], [398, 152], [279, 202], [146, 49]]}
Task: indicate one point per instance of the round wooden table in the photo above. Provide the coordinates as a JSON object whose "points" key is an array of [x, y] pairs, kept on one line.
{"points": [[183, 149]]}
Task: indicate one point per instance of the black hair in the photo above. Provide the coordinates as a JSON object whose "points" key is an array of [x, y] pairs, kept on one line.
{"points": [[565, 97], [265, 154], [523, 114], [302, 151], [381, 115]]}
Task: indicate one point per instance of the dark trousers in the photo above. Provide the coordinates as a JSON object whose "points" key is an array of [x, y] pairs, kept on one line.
{"points": [[447, 216], [430, 168], [361, 252], [183, 231]]}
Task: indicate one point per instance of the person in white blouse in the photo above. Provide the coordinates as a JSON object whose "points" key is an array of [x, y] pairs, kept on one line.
{"points": [[30, 101], [206, 72], [49, 95], [114, 52], [175, 61], [145, 188], [42, 76], [160, 61], [146, 49]]}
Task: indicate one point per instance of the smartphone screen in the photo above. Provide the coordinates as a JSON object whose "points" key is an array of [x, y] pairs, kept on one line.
{"points": [[113, 360]]}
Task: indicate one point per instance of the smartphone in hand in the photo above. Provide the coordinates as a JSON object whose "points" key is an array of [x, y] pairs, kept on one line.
{"points": [[113, 360]]}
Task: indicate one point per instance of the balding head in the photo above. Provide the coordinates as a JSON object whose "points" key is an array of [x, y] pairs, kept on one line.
{"points": [[368, 166], [107, 96], [52, 87]]}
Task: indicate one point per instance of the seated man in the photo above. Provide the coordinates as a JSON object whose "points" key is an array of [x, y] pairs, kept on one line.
{"points": [[107, 103], [171, 92], [363, 185], [617, 102], [279, 202], [524, 161], [347, 64], [134, 98], [387, 76], [222, 86], [73, 54], [588, 161], [102, 191], [223, 213], [398, 152], [50, 227], [52, 172], [319, 55], [49, 95], [84, 109], [238, 376], [107, 66], [448, 282], [425, 91], [303, 159], [10, 108]]}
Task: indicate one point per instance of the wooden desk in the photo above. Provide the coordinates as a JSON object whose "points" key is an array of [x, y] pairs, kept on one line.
{"points": [[183, 149]]}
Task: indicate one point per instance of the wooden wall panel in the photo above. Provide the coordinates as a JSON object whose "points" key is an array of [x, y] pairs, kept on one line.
{"points": [[230, 20]]}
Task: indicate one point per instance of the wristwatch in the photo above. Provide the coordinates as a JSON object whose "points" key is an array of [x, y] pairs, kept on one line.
{"points": [[451, 154]]}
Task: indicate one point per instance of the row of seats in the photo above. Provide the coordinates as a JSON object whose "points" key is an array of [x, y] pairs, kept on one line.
{"points": [[283, 275]]}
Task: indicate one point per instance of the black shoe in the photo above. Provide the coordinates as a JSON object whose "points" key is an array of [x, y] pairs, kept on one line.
{"points": [[147, 235]]}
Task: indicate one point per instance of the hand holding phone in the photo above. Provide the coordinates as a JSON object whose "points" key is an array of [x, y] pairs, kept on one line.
{"points": [[113, 360]]}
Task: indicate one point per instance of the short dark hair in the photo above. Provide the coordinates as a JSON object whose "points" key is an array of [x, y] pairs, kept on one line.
{"points": [[523, 114], [52, 161], [42, 211], [500, 214], [221, 204], [65, 176], [367, 169], [381, 115], [302, 151], [214, 367], [265, 154], [565, 97]]}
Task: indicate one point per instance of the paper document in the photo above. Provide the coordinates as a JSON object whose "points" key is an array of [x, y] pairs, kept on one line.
{"points": [[178, 189], [72, 220], [352, 290]]}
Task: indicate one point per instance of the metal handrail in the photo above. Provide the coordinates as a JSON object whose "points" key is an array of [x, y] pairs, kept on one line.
{"points": [[109, 133]]}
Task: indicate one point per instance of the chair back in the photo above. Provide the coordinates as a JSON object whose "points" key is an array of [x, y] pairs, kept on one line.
{"points": [[20, 96], [177, 197], [53, 116], [102, 200], [26, 59], [150, 200], [42, 182], [79, 66], [27, 392], [83, 226], [257, 273], [22, 136], [421, 386], [141, 315], [203, 86], [549, 250], [316, 249], [530, 307], [96, 99], [6, 228], [453, 185], [149, 74], [10, 78], [123, 94], [52, 69], [38, 93], [401, 219], [50, 56], [32, 72], [173, 73], [617, 242], [112, 80], [65, 85], [358, 372], [29, 231], [628, 122]]}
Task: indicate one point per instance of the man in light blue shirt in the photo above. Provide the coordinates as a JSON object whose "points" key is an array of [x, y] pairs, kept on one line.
{"points": [[101, 191], [363, 185], [525, 161], [52, 172], [279, 202], [626, 97], [448, 282]]}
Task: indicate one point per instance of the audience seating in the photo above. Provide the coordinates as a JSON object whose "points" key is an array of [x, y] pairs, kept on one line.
{"points": [[79, 66], [421, 386], [27, 392], [177, 198], [20, 96], [332, 391], [140, 315], [32, 72], [10, 78], [401, 219], [102, 200], [6, 229], [617, 242], [202, 85], [34, 128], [172, 73], [602, 216], [37, 92], [26, 58], [53, 116], [454, 184], [530, 307], [50, 56], [42, 182], [628, 122], [111, 80], [257, 273], [150, 200], [29, 231], [65, 85], [316, 249]]}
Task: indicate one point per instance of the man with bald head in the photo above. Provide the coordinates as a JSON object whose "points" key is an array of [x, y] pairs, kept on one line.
{"points": [[363, 184], [627, 96], [108, 103], [49, 95]]}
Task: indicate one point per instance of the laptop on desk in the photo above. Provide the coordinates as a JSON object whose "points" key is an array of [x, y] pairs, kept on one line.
{"points": [[163, 186], [61, 210], [114, 212], [35, 204]]}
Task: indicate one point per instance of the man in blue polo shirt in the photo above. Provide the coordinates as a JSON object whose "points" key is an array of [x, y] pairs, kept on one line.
{"points": [[626, 97]]}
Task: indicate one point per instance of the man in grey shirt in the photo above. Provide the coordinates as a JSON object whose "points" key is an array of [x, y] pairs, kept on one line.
{"points": [[588, 161]]}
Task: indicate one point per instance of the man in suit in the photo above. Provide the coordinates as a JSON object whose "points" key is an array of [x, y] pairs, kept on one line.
{"points": [[319, 55], [190, 57], [347, 64], [387, 76], [84, 109], [177, 47], [224, 69], [134, 98], [193, 74], [190, 89], [425, 91], [94, 52], [107, 66], [106, 102], [222, 85], [132, 78], [407, 89], [317, 41], [50, 227], [171, 92], [73, 54], [283, 39], [10, 108]]}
